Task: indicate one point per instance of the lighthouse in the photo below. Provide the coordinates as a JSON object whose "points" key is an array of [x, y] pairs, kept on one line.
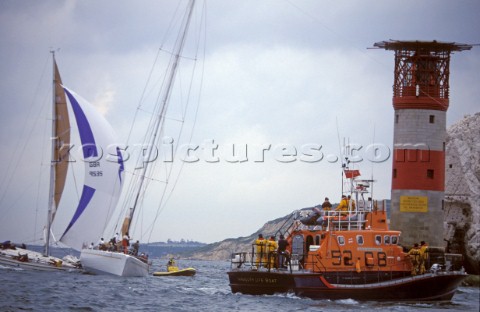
{"points": [[420, 101]]}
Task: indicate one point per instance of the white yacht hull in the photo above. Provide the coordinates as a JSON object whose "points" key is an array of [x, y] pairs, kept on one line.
{"points": [[116, 263]]}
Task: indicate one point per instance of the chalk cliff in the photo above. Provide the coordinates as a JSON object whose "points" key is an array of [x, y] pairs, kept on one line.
{"points": [[462, 191]]}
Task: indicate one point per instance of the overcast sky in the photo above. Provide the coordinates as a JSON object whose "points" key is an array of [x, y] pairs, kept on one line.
{"points": [[284, 74]]}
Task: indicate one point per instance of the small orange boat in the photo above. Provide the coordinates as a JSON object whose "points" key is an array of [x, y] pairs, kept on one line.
{"points": [[335, 256]]}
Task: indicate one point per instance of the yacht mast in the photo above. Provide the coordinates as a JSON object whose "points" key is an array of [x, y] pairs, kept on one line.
{"points": [[51, 192], [165, 99]]}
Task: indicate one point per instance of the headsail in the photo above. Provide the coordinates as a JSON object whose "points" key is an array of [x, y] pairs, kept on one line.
{"points": [[61, 141], [59, 150], [103, 175]]}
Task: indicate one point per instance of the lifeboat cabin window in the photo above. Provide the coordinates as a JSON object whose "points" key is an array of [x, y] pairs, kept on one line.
{"points": [[309, 241], [378, 239], [317, 239], [359, 239], [386, 240], [341, 240], [394, 240]]}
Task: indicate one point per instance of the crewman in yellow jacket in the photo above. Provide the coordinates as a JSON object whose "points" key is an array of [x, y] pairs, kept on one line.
{"points": [[423, 256], [415, 256], [261, 252], [343, 206], [171, 266], [272, 247]]}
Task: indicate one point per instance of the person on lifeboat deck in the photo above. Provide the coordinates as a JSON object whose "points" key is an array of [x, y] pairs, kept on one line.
{"points": [[343, 206], [261, 252], [282, 252], [415, 255], [326, 206], [272, 247], [423, 256]]}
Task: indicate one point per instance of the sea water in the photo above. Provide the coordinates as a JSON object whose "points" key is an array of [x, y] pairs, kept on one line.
{"points": [[208, 290]]}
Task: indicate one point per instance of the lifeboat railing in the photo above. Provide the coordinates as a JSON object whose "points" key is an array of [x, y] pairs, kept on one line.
{"points": [[334, 220], [353, 219], [314, 260], [289, 225], [256, 259], [338, 220]]}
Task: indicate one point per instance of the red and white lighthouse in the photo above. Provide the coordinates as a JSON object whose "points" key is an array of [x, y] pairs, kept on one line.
{"points": [[420, 101]]}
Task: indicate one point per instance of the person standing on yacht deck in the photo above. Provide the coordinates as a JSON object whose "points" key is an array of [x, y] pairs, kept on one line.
{"points": [[125, 243], [135, 246]]}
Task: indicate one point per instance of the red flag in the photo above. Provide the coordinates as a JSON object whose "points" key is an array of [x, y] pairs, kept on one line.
{"points": [[350, 174]]}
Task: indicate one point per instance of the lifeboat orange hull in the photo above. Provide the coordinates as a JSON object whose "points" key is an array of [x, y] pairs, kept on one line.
{"points": [[427, 287]]}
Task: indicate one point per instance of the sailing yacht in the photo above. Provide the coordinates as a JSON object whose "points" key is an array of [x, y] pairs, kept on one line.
{"points": [[101, 186], [120, 260]]}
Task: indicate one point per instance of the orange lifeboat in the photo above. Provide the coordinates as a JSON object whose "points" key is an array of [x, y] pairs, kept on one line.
{"points": [[335, 256]]}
